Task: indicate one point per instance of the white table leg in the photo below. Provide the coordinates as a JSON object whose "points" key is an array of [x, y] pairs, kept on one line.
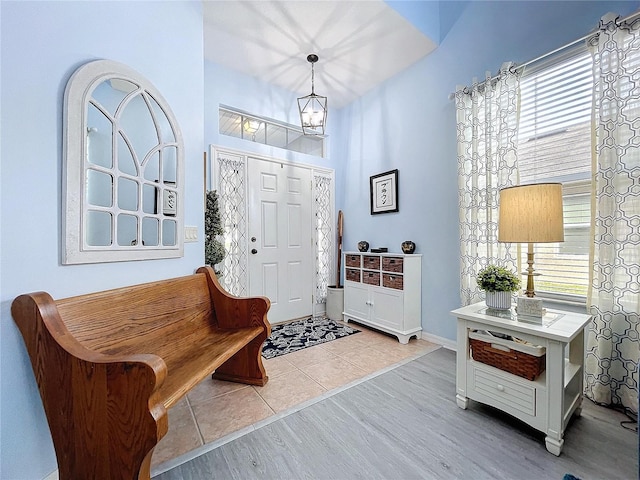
{"points": [[555, 385], [554, 446], [462, 358]]}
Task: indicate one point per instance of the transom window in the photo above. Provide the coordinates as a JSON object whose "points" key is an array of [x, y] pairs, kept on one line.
{"points": [[236, 123]]}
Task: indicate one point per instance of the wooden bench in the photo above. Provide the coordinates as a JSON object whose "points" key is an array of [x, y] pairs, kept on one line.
{"points": [[110, 364]]}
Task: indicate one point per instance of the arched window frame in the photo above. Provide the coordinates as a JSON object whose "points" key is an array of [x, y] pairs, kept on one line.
{"points": [[76, 248]]}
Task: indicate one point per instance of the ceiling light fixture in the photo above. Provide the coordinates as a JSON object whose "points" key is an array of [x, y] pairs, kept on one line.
{"points": [[313, 108]]}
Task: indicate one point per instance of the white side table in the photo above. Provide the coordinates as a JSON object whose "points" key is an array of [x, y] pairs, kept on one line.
{"points": [[545, 403]]}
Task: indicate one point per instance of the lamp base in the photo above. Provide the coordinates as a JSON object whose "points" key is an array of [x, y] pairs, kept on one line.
{"points": [[530, 307]]}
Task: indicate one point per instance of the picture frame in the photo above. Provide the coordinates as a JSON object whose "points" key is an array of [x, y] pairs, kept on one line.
{"points": [[383, 189]]}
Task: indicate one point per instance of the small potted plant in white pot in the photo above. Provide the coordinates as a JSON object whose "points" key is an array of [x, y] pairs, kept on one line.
{"points": [[499, 283]]}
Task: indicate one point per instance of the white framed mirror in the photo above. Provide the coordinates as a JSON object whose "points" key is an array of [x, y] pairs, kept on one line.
{"points": [[123, 168]]}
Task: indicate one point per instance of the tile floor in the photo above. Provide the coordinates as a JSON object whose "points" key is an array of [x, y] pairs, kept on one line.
{"points": [[215, 408]]}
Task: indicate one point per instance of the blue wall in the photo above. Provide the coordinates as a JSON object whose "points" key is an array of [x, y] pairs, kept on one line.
{"points": [[408, 123], [42, 45]]}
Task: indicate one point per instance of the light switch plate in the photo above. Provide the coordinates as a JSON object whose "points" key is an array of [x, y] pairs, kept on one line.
{"points": [[190, 234]]}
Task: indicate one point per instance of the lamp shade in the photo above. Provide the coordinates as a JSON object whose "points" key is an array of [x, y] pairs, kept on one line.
{"points": [[531, 214]]}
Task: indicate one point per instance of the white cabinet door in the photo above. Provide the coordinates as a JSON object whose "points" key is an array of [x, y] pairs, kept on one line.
{"points": [[356, 300], [388, 307]]}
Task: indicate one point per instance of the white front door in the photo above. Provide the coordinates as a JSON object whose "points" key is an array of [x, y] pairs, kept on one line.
{"points": [[280, 238]]}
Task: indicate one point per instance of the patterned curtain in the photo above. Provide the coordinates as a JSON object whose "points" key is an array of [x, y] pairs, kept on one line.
{"points": [[487, 122], [614, 296]]}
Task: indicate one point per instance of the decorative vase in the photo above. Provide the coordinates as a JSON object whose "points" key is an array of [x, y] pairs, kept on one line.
{"points": [[499, 300], [408, 247], [363, 246]]}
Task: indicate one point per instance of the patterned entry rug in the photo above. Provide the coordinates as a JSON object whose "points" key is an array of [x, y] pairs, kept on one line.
{"points": [[290, 337]]}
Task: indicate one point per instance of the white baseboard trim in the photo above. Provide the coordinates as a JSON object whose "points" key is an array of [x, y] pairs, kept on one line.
{"points": [[445, 342], [52, 476]]}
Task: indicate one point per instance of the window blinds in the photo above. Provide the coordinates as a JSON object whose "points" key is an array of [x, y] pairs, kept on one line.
{"points": [[554, 145]]}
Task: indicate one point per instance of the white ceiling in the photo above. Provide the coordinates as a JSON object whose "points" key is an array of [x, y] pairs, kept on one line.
{"points": [[360, 43]]}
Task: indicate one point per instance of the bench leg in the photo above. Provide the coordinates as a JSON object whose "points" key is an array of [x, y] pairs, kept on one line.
{"points": [[245, 366]]}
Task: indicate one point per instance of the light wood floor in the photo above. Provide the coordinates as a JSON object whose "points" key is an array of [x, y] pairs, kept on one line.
{"points": [[215, 409], [405, 424]]}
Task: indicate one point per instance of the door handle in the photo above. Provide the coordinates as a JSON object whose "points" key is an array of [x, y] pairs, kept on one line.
{"points": [[254, 251]]}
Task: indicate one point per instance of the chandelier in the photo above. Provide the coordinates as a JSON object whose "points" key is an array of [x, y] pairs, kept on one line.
{"points": [[313, 108]]}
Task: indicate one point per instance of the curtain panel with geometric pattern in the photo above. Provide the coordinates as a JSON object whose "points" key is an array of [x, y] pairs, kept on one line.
{"points": [[614, 297], [487, 122]]}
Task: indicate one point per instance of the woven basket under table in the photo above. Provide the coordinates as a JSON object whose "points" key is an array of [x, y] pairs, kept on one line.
{"points": [[510, 360]]}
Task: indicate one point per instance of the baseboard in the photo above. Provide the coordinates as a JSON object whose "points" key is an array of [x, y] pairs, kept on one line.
{"points": [[445, 342], [52, 476]]}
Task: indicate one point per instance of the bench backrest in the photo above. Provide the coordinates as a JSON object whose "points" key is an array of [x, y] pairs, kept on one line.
{"points": [[157, 316]]}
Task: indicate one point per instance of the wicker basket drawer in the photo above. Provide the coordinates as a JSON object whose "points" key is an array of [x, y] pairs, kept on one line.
{"points": [[371, 262], [520, 359], [371, 278], [353, 274], [392, 264], [353, 260], [393, 281]]}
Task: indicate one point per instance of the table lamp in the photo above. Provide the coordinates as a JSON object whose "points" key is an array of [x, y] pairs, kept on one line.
{"points": [[531, 214]]}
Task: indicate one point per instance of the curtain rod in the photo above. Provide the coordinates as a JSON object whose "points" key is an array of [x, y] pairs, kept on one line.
{"points": [[564, 47]]}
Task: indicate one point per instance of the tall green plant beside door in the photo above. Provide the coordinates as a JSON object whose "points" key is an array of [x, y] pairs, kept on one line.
{"points": [[213, 248]]}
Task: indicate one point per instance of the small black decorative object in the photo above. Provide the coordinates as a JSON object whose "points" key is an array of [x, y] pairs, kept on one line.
{"points": [[363, 246], [408, 247], [379, 250]]}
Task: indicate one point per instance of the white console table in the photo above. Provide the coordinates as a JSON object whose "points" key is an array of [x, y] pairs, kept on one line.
{"points": [[545, 403]]}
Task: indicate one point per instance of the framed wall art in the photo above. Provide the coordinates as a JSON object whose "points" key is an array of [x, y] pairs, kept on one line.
{"points": [[384, 192]]}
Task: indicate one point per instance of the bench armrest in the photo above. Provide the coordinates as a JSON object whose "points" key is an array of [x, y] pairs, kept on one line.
{"points": [[104, 411], [236, 312]]}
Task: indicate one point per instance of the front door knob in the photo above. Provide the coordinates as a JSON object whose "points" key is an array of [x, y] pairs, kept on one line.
{"points": [[254, 251]]}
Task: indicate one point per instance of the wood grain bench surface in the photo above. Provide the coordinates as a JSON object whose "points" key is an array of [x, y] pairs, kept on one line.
{"points": [[109, 364]]}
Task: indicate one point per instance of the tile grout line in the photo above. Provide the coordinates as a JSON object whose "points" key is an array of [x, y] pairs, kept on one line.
{"points": [[273, 412], [195, 420]]}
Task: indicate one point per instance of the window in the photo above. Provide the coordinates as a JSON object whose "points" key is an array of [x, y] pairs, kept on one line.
{"points": [[554, 145], [235, 123]]}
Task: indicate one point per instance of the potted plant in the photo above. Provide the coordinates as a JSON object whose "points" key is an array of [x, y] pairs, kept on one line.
{"points": [[499, 283], [213, 249]]}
